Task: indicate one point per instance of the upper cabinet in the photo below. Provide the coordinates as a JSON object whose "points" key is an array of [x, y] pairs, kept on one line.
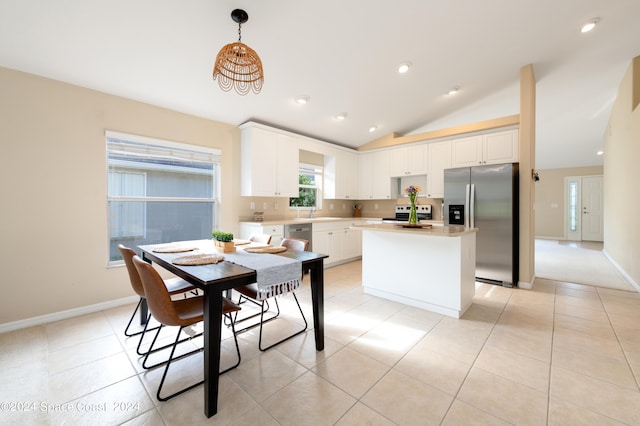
{"points": [[374, 179], [408, 161], [341, 175], [269, 163], [491, 148], [439, 160]]}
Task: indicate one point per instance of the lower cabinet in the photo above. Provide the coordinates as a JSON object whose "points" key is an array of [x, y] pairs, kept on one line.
{"points": [[276, 231], [338, 241]]}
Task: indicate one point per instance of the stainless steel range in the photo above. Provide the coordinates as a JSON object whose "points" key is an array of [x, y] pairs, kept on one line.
{"points": [[402, 213]]}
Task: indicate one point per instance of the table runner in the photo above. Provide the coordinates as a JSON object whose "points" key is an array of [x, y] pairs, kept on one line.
{"points": [[275, 274]]}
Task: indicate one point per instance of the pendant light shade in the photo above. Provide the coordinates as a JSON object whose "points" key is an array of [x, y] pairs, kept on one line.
{"points": [[237, 65]]}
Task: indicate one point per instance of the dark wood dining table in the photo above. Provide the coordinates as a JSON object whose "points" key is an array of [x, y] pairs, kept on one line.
{"points": [[213, 280]]}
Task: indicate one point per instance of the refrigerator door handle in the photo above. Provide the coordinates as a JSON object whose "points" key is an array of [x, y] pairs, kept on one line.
{"points": [[472, 209], [466, 205]]}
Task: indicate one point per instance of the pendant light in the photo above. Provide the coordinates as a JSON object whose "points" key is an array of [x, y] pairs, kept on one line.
{"points": [[237, 65]]}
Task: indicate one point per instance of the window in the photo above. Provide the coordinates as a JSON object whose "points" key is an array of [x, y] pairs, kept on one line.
{"points": [[310, 185], [573, 206], [159, 191]]}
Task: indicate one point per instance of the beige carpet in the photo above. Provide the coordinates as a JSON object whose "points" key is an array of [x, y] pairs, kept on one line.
{"points": [[577, 262]]}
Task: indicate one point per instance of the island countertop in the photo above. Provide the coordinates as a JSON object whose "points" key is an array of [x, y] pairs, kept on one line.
{"points": [[441, 231]]}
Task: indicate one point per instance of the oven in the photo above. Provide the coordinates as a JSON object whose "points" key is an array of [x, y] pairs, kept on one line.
{"points": [[402, 214]]}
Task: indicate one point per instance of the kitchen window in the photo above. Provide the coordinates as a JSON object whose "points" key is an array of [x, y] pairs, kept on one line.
{"points": [[310, 188], [159, 191]]}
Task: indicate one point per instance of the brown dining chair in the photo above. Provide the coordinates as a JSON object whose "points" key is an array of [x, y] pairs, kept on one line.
{"points": [[173, 285], [178, 313], [260, 238], [250, 292]]}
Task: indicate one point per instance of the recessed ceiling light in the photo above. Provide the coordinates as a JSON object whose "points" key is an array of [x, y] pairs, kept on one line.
{"points": [[302, 99], [341, 116], [600, 152], [373, 129], [404, 67], [453, 90], [589, 25]]}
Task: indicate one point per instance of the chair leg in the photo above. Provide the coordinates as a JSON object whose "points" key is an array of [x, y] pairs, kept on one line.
{"points": [[235, 339], [264, 307], [126, 330], [172, 345], [166, 370], [171, 359], [286, 338]]}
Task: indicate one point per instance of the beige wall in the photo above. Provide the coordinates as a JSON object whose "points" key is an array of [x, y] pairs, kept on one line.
{"points": [[621, 177], [53, 189], [550, 202]]}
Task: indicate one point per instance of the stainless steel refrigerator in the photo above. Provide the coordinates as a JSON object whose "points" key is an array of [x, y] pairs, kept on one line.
{"points": [[486, 197]]}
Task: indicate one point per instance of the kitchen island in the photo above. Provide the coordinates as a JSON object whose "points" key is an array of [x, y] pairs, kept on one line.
{"points": [[430, 268]]}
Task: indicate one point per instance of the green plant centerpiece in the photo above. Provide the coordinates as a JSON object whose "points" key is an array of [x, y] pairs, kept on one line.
{"points": [[223, 241], [412, 192]]}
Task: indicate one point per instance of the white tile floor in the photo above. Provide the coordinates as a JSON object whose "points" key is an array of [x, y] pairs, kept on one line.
{"points": [[560, 354]]}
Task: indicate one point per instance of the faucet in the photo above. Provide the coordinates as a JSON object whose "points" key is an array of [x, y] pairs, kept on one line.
{"points": [[311, 213]]}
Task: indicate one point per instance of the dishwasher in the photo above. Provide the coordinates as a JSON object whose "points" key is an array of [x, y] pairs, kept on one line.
{"points": [[300, 231]]}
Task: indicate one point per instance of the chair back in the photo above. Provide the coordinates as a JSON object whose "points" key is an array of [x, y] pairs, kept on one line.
{"points": [[156, 293], [260, 238], [297, 244], [136, 283]]}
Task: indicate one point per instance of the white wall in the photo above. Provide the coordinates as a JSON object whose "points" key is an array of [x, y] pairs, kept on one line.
{"points": [[621, 177]]}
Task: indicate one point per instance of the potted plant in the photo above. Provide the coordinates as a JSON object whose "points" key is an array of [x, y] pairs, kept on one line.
{"points": [[223, 241]]}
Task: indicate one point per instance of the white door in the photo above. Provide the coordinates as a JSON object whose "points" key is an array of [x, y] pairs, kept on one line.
{"points": [[592, 205], [584, 208]]}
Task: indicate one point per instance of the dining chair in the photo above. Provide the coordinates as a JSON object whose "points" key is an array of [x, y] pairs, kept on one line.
{"points": [[260, 238], [178, 313], [174, 286], [250, 292]]}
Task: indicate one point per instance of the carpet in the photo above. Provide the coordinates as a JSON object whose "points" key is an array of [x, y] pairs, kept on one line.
{"points": [[577, 262]]}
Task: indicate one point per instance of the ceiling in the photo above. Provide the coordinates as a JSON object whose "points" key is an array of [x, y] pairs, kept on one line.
{"points": [[344, 55]]}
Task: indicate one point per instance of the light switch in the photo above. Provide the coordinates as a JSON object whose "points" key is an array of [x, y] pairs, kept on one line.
{"points": [[252, 205]]}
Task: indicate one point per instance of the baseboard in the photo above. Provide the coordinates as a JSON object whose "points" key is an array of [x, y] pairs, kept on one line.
{"points": [[527, 285], [62, 315], [622, 271], [543, 237]]}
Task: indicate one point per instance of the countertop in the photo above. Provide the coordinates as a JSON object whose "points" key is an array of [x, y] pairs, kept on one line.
{"points": [[440, 231], [323, 220]]}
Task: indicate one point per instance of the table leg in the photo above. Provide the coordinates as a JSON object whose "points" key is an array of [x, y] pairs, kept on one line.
{"points": [[212, 335], [317, 298]]}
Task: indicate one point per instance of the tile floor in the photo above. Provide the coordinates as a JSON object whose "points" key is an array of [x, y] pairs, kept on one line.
{"points": [[560, 354]]}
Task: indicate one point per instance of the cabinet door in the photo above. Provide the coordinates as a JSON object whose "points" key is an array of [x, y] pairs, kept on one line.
{"points": [[439, 160], [466, 152], [258, 156], [397, 162], [287, 165], [417, 160], [500, 147], [381, 178], [341, 175], [365, 180], [321, 242], [352, 243]]}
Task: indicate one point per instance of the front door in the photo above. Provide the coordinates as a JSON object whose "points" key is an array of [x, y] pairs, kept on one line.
{"points": [[592, 205]]}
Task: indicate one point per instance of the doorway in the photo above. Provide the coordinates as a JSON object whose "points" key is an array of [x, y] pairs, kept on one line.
{"points": [[584, 219]]}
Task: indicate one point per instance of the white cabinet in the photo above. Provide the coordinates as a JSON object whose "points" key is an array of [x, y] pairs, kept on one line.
{"points": [[248, 229], [337, 240], [375, 180], [269, 163], [341, 175], [439, 160], [408, 161], [490, 148]]}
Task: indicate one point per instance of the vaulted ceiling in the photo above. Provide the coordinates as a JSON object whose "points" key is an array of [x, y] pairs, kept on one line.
{"points": [[344, 55]]}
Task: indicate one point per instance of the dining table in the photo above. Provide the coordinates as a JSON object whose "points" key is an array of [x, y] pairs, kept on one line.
{"points": [[217, 278]]}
